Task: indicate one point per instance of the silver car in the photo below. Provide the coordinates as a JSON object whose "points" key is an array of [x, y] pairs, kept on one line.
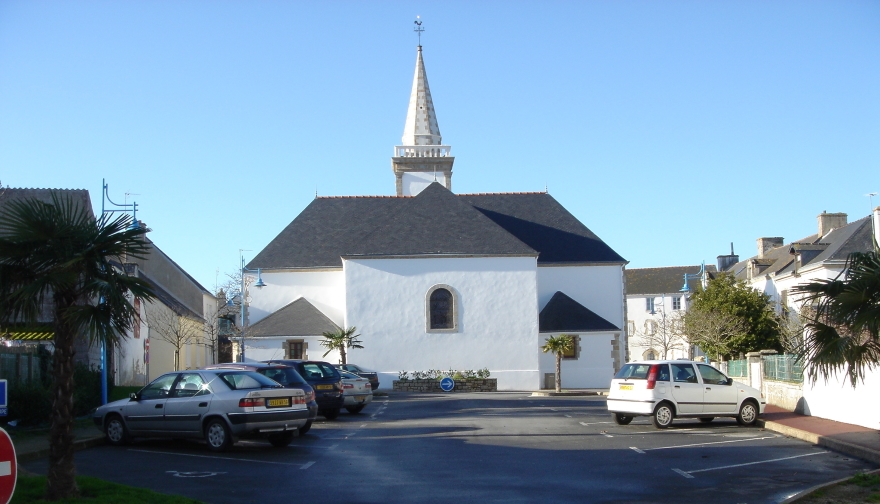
{"points": [[356, 391], [218, 405]]}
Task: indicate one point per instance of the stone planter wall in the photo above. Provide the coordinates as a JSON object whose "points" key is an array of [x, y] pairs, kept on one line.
{"points": [[465, 385]]}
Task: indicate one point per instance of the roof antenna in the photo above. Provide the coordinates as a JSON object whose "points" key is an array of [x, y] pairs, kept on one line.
{"points": [[316, 190], [418, 29]]}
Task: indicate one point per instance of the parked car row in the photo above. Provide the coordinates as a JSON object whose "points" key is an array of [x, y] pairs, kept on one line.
{"points": [[221, 403]]}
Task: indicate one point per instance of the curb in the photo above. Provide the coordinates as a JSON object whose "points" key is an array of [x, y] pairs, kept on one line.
{"points": [[567, 394], [804, 493], [44, 452], [824, 441]]}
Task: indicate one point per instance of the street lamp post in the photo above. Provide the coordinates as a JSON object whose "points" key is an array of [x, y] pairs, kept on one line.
{"points": [[116, 207], [243, 300]]}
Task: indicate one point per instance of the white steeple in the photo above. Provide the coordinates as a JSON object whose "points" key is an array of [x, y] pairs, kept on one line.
{"points": [[422, 159], [421, 121]]}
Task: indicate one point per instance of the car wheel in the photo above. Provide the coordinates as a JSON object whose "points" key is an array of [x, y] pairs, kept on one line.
{"points": [[354, 410], [305, 428], [663, 415], [281, 439], [748, 413], [217, 435], [331, 414], [707, 419], [621, 419], [116, 432]]}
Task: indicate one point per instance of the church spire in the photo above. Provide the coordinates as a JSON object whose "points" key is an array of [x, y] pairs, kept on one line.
{"points": [[421, 121], [422, 159]]}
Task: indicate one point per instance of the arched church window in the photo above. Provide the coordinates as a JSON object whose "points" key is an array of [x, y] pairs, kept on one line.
{"points": [[441, 309]]}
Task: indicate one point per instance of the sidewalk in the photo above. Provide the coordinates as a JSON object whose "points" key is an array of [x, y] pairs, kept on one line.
{"points": [[854, 440], [33, 445]]}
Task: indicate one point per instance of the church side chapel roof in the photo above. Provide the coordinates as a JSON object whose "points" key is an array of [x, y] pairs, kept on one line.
{"points": [[433, 222], [644, 281], [563, 313], [299, 318]]}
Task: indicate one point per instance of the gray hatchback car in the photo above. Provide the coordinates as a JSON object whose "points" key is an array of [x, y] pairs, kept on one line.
{"points": [[219, 406]]}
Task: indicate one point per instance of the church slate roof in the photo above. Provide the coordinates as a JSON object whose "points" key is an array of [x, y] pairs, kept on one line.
{"points": [[436, 221], [299, 318], [563, 313], [667, 280]]}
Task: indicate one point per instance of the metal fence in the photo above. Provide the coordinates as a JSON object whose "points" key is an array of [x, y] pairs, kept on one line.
{"points": [[21, 366], [783, 368], [738, 368]]}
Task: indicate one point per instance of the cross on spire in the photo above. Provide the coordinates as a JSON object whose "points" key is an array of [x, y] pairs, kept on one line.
{"points": [[418, 29]]}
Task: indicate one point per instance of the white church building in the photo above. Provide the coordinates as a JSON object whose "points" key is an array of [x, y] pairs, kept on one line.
{"points": [[437, 280]]}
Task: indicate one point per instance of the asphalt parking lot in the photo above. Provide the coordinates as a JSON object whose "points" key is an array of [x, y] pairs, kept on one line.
{"points": [[489, 447]]}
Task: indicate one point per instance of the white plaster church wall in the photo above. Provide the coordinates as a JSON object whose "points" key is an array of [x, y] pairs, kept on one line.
{"points": [[599, 288], [594, 366], [324, 289], [498, 317], [415, 182]]}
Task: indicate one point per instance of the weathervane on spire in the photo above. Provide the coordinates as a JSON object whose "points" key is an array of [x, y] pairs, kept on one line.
{"points": [[418, 29]]}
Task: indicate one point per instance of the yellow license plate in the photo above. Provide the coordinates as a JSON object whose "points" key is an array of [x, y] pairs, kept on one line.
{"points": [[278, 403], [626, 387], [325, 387]]}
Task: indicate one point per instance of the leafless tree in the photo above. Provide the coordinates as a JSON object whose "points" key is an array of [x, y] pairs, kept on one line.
{"points": [[712, 330], [175, 329], [663, 335]]}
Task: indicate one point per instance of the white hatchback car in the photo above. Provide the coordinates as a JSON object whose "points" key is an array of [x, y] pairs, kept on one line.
{"points": [[668, 389]]}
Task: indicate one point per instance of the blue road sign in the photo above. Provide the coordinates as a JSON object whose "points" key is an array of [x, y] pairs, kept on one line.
{"points": [[3, 402], [447, 384]]}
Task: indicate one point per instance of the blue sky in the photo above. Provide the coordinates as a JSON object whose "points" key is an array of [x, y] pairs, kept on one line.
{"points": [[671, 129]]}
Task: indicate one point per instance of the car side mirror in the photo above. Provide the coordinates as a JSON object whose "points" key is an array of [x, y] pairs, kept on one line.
{"points": [[133, 396], [729, 381]]}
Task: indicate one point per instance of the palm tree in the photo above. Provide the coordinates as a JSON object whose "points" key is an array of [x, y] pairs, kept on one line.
{"points": [[558, 345], [843, 320], [340, 340], [58, 262]]}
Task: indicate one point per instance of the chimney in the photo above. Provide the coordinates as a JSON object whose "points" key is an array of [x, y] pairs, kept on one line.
{"points": [[765, 244], [726, 261], [830, 221]]}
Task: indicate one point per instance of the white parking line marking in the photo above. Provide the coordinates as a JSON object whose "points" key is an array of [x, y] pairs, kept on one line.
{"points": [[363, 425], [606, 434], [567, 416], [553, 409], [636, 449], [215, 457], [688, 474], [307, 465], [711, 443], [593, 423]]}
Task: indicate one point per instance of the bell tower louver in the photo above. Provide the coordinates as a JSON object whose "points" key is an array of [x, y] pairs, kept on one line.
{"points": [[422, 158]]}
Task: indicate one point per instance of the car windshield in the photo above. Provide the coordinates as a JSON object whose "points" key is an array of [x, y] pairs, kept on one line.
{"points": [[319, 371], [633, 372], [243, 380], [286, 376]]}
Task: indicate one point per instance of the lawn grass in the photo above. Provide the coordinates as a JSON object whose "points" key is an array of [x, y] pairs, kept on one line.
{"points": [[32, 489]]}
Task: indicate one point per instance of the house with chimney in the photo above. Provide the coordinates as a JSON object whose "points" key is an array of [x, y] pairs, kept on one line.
{"points": [[779, 267]]}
